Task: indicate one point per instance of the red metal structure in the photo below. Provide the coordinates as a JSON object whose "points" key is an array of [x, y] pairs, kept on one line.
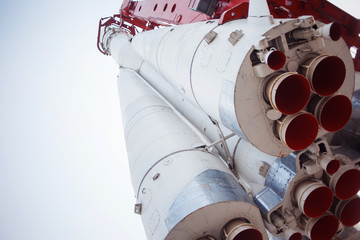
{"points": [[149, 14]]}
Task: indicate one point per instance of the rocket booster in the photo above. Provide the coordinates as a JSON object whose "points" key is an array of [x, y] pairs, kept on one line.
{"points": [[206, 198], [221, 122], [249, 70]]}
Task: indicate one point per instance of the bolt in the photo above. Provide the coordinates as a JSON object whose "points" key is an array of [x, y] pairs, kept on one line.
{"points": [[156, 176]]}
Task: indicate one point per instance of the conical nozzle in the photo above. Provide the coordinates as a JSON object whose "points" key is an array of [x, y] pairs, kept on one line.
{"points": [[322, 228], [239, 229], [345, 183], [330, 31], [298, 131], [332, 112], [325, 73], [291, 234], [275, 59], [313, 198], [329, 164], [288, 93], [348, 211]]}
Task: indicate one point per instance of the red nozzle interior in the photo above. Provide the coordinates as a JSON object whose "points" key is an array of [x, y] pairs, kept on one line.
{"points": [[318, 202], [348, 184], [328, 75], [301, 132], [292, 94], [335, 31], [350, 214], [296, 236], [249, 234], [332, 166], [276, 60], [325, 228], [335, 113]]}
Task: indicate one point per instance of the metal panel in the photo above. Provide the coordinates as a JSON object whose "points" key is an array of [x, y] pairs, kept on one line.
{"points": [[281, 174], [209, 187], [267, 200]]}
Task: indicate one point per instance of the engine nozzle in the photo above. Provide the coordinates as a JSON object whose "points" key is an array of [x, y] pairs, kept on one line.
{"points": [[239, 229], [298, 131], [330, 31], [313, 198], [288, 93], [348, 212], [345, 183], [322, 228], [275, 59], [291, 234], [329, 164], [325, 73], [332, 112]]}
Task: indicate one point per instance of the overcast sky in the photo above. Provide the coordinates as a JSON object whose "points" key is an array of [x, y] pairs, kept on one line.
{"points": [[63, 165]]}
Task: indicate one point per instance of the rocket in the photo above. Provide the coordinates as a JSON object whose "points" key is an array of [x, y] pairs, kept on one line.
{"points": [[243, 129], [206, 197]]}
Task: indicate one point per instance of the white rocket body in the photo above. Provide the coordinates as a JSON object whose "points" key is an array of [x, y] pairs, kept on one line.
{"points": [[216, 68], [204, 198], [226, 79]]}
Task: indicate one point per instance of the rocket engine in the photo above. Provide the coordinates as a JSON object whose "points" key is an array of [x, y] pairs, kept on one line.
{"points": [[237, 128]]}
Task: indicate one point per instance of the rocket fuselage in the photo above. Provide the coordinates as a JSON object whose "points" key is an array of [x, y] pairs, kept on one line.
{"points": [[159, 143], [224, 61], [256, 89]]}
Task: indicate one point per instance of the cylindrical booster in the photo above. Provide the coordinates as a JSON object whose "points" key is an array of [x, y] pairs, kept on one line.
{"points": [[183, 192], [237, 72], [155, 176]]}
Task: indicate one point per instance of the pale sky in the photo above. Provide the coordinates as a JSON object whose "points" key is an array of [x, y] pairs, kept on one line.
{"points": [[63, 164]]}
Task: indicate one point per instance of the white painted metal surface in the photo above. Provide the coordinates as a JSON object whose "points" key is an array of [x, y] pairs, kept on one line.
{"points": [[225, 80], [218, 77], [248, 161], [198, 201], [119, 45]]}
